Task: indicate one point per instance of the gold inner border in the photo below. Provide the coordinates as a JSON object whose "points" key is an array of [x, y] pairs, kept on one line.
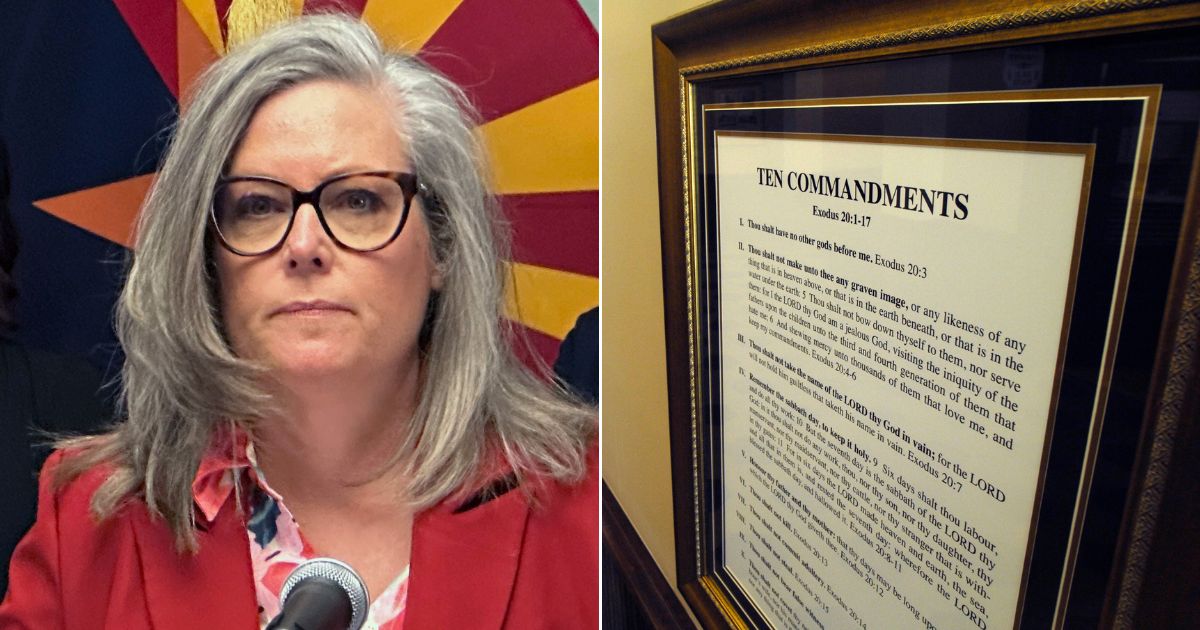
{"points": [[721, 599], [1150, 94], [693, 314], [1141, 168]]}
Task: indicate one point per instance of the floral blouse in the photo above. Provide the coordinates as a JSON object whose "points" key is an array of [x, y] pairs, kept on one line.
{"points": [[276, 543]]}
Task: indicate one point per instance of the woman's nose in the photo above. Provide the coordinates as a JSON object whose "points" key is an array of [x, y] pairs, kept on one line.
{"points": [[308, 246]]}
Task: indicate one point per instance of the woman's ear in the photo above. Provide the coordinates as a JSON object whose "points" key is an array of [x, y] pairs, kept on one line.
{"points": [[431, 309], [435, 279], [435, 222]]}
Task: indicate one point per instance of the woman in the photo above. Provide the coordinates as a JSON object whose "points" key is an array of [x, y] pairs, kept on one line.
{"points": [[317, 366]]}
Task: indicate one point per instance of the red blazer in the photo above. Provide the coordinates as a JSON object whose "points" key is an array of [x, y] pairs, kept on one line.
{"points": [[504, 564]]}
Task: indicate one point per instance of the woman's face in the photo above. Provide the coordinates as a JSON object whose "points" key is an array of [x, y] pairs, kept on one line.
{"points": [[311, 308]]}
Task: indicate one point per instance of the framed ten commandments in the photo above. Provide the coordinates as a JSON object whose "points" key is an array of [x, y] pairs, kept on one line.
{"points": [[927, 273]]}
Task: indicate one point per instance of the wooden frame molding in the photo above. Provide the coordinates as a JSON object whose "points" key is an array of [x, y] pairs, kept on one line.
{"points": [[654, 594], [1152, 577]]}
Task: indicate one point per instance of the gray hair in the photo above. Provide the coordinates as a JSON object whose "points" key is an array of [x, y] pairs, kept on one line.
{"points": [[182, 381]]}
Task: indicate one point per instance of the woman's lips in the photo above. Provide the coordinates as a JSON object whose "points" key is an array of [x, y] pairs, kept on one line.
{"points": [[311, 307]]}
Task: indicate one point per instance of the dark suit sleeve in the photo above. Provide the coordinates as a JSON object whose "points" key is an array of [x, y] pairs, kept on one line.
{"points": [[42, 395], [34, 599], [578, 363], [68, 396]]}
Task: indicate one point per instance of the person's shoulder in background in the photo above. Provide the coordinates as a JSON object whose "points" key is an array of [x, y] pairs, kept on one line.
{"points": [[56, 392], [41, 394], [578, 363]]}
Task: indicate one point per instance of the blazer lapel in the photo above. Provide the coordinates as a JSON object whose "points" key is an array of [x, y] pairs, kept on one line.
{"points": [[464, 565], [213, 588]]}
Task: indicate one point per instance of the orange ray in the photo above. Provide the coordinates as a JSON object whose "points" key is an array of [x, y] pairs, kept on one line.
{"points": [[205, 14], [108, 211], [194, 50]]}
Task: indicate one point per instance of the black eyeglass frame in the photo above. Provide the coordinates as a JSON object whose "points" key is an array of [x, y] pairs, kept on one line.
{"points": [[408, 182]]}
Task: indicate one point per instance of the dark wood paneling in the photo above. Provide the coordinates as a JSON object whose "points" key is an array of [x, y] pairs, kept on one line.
{"points": [[651, 591]]}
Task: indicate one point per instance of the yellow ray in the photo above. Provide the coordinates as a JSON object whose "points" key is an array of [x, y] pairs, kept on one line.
{"points": [[552, 145], [204, 12], [108, 211], [548, 300], [407, 25], [247, 19]]}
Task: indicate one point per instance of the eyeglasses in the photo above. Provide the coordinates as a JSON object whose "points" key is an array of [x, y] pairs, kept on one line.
{"points": [[359, 211]]}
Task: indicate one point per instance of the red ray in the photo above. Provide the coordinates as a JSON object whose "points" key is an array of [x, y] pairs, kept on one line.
{"points": [[556, 230], [222, 13], [353, 7], [511, 53], [154, 26]]}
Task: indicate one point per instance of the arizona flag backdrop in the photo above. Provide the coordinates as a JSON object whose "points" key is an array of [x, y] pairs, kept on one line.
{"points": [[89, 87]]}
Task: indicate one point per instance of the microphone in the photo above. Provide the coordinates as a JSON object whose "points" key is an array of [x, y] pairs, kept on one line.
{"points": [[322, 594]]}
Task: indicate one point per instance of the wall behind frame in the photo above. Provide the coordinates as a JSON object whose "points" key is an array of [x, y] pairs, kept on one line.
{"points": [[636, 451]]}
